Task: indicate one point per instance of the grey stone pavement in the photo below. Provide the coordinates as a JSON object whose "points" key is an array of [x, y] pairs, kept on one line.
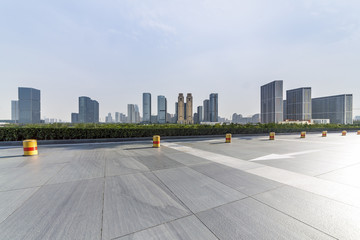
{"points": [[252, 188]]}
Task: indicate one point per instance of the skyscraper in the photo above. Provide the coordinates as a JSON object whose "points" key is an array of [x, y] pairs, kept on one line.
{"points": [[298, 104], [108, 118], [15, 111], [180, 112], [285, 110], [206, 110], [74, 117], [146, 107], [88, 110], [133, 113], [213, 108], [339, 109], [117, 117], [200, 114], [162, 109], [29, 105], [189, 109], [272, 102]]}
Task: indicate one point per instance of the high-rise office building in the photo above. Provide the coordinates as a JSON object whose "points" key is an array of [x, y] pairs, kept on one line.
{"points": [[272, 102], [29, 105], [74, 117], [298, 104], [162, 109], [117, 117], [181, 110], [176, 111], [108, 118], [200, 114], [88, 110], [285, 110], [146, 107], [206, 104], [213, 107], [15, 111], [189, 109], [339, 109], [133, 113]]}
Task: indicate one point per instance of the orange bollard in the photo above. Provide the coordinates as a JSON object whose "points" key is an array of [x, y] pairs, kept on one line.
{"points": [[272, 136], [303, 134], [228, 138], [30, 147], [344, 133], [156, 141]]}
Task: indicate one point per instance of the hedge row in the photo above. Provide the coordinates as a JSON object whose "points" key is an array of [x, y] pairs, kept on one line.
{"points": [[56, 132]]}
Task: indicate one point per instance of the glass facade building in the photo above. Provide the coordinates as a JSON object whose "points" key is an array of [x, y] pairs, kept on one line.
{"points": [[272, 102], [74, 117], [15, 111], [29, 105], [339, 109], [146, 107], [213, 107], [206, 104], [298, 104], [88, 110], [133, 113], [162, 109], [200, 114]]}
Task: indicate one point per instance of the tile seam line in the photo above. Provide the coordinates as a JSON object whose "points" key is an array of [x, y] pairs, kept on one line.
{"points": [[262, 166], [351, 165], [39, 187], [103, 201], [186, 206], [286, 214]]}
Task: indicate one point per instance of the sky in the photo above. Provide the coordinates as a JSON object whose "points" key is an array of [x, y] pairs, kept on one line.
{"points": [[114, 50]]}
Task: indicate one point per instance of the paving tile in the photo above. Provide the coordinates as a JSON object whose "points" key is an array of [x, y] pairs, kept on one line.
{"points": [[11, 200], [157, 161], [249, 219], [60, 211], [335, 218], [117, 164], [134, 202], [348, 175], [188, 228], [197, 191], [186, 159], [27, 176], [90, 165], [242, 181]]}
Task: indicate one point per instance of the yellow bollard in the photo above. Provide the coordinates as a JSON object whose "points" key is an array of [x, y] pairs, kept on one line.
{"points": [[156, 141], [272, 136], [30, 147], [324, 133], [343, 133], [228, 138], [303, 134]]}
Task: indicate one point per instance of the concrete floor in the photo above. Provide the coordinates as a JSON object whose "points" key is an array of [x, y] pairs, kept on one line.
{"points": [[253, 188]]}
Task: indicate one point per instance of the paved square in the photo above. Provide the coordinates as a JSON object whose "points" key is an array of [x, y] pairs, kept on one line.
{"points": [[252, 188]]}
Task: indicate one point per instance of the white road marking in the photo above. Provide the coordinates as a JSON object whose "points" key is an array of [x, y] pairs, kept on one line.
{"points": [[336, 191], [282, 156]]}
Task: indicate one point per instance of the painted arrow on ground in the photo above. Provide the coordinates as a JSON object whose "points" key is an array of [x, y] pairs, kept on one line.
{"points": [[282, 156]]}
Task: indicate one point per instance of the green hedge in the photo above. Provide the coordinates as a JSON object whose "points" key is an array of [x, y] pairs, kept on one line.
{"points": [[93, 131]]}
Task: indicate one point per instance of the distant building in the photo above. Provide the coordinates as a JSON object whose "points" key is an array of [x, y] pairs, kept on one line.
{"points": [[88, 110], [298, 104], [15, 111], [154, 119], [213, 107], [117, 117], [196, 118], [189, 109], [357, 118], [200, 114], [285, 110], [256, 118], [133, 113], [146, 107], [180, 111], [108, 118], [162, 109], [339, 109], [272, 102], [29, 105], [123, 118], [74, 118], [176, 112], [238, 118], [206, 104]]}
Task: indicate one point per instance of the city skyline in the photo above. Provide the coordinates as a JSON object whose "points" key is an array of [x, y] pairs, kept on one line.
{"points": [[115, 51]]}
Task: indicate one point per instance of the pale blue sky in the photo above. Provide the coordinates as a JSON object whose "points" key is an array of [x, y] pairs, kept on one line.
{"points": [[113, 51]]}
